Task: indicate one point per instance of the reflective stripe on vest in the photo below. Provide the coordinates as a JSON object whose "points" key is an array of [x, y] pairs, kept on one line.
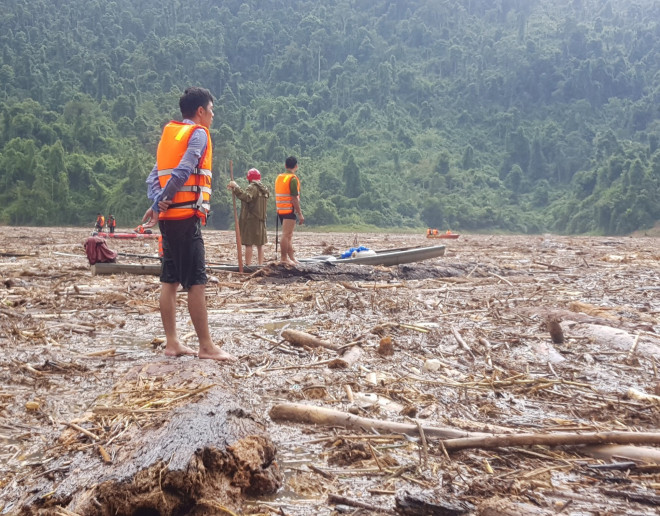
{"points": [[194, 197], [283, 198]]}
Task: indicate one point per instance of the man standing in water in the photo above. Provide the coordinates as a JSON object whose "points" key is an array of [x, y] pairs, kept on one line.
{"points": [[180, 187], [287, 200]]}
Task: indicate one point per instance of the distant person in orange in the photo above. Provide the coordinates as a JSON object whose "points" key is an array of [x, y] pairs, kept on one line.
{"points": [[287, 200], [112, 223], [100, 222]]}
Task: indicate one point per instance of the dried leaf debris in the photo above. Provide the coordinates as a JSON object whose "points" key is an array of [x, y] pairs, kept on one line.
{"points": [[505, 335]]}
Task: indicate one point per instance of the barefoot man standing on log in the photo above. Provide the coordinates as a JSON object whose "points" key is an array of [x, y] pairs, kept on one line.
{"points": [[180, 187]]}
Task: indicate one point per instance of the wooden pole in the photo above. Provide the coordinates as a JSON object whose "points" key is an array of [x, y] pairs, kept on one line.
{"points": [[238, 233]]}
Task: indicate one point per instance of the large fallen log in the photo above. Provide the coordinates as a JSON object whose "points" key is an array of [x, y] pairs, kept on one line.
{"points": [[169, 439]]}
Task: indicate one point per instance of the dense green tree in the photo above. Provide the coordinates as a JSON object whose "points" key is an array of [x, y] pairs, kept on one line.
{"points": [[352, 178], [518, 115]]}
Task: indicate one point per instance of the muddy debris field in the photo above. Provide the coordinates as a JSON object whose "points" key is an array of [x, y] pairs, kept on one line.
{"points": [[514, 375]]}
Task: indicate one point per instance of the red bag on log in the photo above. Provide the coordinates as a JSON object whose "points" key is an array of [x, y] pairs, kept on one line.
{"points": [[98, 251]]}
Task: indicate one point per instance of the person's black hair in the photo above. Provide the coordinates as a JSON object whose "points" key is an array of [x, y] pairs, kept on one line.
{"points": [[290, 163], [193, 98]]}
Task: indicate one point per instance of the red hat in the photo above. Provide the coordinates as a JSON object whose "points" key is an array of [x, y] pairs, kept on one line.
{"points": [[253, 175]]}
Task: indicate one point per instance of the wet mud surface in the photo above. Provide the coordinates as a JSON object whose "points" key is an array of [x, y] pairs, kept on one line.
{"points": [[504, 334]]}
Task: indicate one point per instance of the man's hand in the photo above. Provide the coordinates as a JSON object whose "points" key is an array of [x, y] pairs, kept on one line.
{"points": [[150, 218], [301, 219], [163, 205], [232, 185]]}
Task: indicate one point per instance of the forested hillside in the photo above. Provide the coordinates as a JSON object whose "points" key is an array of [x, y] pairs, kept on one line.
{"points": [[474, 115]]}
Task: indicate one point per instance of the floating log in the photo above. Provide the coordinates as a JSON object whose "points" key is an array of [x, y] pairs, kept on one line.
{"points": [[641, 454], [301, 413], [173, 438], [455, 439], [350, 357], [558, 439], [302, 339], [153, 269]]}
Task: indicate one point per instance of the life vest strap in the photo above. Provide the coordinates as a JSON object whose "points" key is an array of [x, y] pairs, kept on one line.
{"points": [[195, 189], [196, 171]]}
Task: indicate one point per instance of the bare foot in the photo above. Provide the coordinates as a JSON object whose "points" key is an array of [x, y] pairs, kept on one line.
{"points": [[288, 262], [178, 349], [215, 353]]}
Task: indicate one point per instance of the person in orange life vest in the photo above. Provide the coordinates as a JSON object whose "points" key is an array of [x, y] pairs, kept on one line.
{"points": [[180, 187], [100, 222], [287, 200], [112, 223]]}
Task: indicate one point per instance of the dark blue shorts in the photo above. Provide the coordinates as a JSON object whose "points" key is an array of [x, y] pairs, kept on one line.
{"points": [[290, 216], [184, 257]]}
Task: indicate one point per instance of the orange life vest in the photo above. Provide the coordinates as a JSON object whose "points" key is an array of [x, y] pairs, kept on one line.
{"points": [[112, 223], [283, 198], [100, 221], [193, 199]]}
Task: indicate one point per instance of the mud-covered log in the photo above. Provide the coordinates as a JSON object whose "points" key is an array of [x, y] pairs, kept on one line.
{"points": [[187, 450]]}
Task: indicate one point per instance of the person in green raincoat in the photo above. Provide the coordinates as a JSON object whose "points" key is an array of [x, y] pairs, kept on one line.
{"points": [[252, 221]]}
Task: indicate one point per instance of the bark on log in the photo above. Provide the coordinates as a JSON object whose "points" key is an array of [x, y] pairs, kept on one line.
{"points": [[301, 413], [300, 338], [563, 439], [205, 448]]}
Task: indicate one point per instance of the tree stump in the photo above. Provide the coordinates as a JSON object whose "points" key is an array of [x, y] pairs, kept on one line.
{"points": [[169, 439]]}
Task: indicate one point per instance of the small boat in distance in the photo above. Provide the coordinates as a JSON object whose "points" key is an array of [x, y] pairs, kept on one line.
{"points": [[387, 257]]}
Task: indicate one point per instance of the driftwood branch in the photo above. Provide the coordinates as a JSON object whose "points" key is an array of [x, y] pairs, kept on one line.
{"points": [[563, 439]]}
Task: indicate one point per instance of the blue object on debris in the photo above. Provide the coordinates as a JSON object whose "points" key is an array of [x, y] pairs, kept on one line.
{"points": [[349, 253]]}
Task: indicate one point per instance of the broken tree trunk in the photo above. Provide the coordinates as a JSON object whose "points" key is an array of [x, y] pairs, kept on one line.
{"points": [[302, 339], [170, 438], [350, 357]]}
